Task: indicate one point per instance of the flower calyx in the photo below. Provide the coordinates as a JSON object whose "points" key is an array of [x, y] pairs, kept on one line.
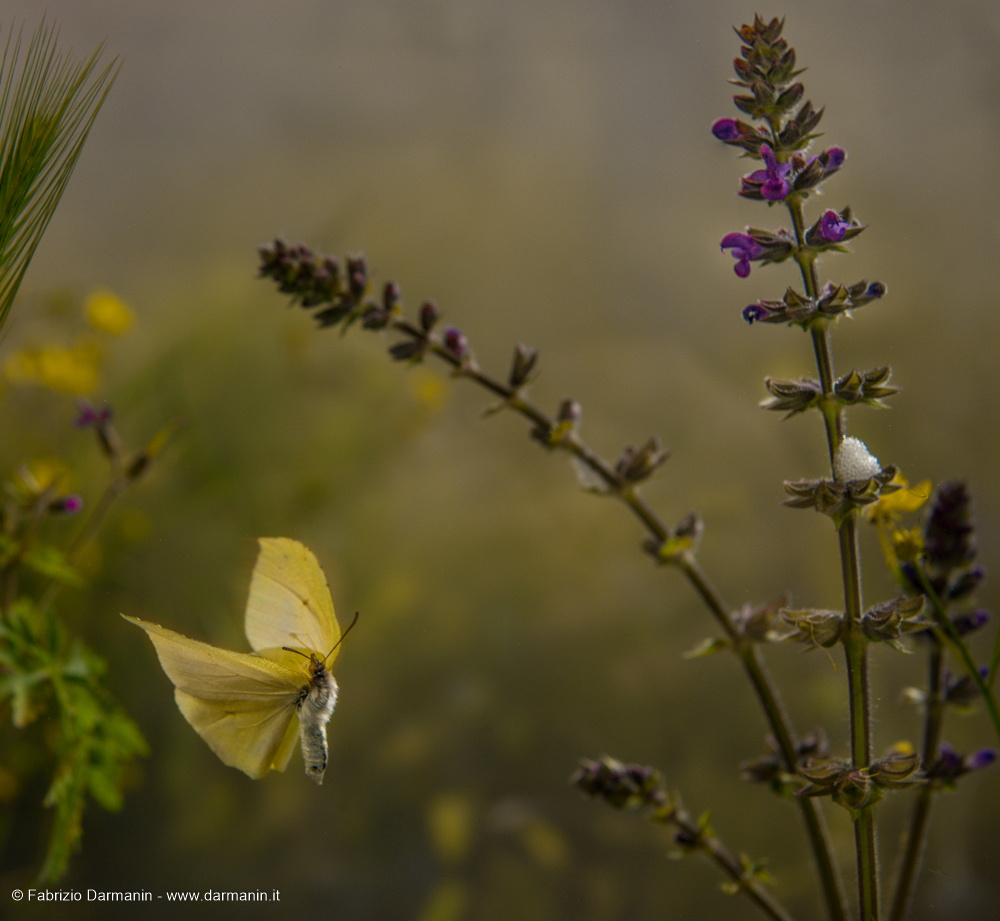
{"points": [[832, 230], [803, 311], [858, 788], [814, 628], [682, 539], [837, 499], [770, 768], [889, 621], [637, 464], [791, 397]]}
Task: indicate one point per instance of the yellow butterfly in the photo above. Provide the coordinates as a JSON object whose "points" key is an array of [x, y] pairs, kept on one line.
{"points": [[250, 707]]}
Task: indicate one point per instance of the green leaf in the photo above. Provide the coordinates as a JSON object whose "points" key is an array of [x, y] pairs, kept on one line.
{"points": [[51, 561], [46, 112], [707, 648]]}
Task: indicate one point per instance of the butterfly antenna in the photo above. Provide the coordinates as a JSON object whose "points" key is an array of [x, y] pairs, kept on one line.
{"points": [[357, 614]]}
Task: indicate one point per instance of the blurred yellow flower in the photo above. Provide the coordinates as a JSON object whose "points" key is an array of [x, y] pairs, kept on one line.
{"points": [[30, 480], [108, 313], [49, 472], [450, 819], [886, 512], [545, 844], [890, 507], [428, 390], [447, 902], [68, 369]]}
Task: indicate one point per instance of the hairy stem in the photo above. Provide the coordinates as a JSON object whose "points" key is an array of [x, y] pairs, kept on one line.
{"points": [[854, 641]]}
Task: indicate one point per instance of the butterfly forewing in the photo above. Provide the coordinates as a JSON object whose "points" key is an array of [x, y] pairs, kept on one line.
{"points": [[290, 603]]}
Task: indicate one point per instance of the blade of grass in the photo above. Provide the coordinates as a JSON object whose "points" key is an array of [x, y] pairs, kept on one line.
{"points": [[46, 111]]}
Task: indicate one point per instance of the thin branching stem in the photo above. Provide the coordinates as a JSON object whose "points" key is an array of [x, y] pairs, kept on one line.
{"points": [[916, 839], [764, 688]]}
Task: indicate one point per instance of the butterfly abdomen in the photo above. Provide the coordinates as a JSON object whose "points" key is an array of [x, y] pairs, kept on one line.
{"points": [[315, 708]]}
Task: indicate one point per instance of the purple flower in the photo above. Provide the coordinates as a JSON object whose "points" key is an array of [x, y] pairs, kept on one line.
{"points": [[428, 316], [950, 765], [88, 415], [726, 129], [969, 623], [754, 312], [832, 228], [744, 249], [69, 505], [774, 186]]}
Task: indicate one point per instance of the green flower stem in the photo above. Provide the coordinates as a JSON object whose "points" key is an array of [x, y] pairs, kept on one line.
{"points": [[856, 651], [919, 820], [118, 485], [854, 641], [864, 841], [774, 711]]}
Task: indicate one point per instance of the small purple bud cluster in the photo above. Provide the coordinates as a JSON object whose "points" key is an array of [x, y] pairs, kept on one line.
{"points": [[620, 785], [314, 280], [299, 272], [949, 534], [950, 552], [129, 468], [455, 342], [950, 765]]}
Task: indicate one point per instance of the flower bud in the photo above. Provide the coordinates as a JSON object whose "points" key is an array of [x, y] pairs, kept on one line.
{"points": [[391, 296], [455, 342], [428, 316], [68, 505]]}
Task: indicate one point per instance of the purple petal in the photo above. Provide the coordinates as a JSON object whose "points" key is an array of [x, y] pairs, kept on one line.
{"points": [[740, 240], [775, 189], [835, 158], [831, 227], [754, 312], [982, 758]]}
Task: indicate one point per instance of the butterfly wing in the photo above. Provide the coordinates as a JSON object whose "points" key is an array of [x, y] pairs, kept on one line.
{"points": [[244, 706], [290, 603]]}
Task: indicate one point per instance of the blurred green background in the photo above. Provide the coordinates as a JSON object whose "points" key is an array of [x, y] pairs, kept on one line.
{"points": [[544, 170]]}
